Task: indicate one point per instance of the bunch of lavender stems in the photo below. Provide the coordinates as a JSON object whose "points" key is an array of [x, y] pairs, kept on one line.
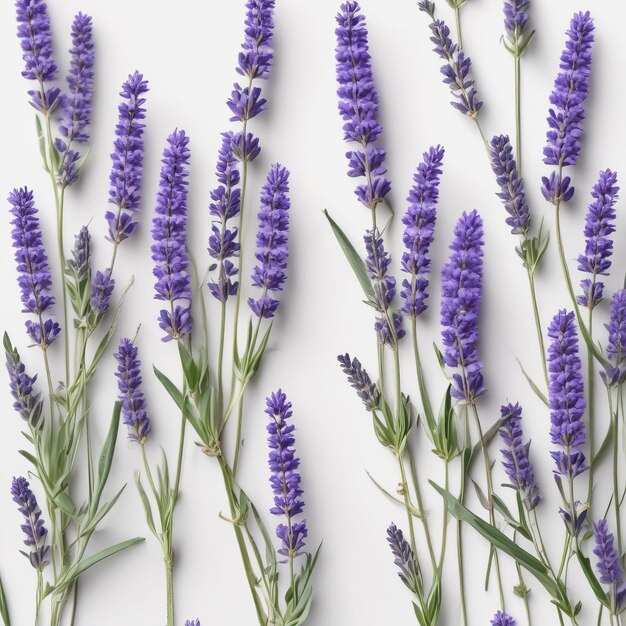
{"points": [[56, 428]]}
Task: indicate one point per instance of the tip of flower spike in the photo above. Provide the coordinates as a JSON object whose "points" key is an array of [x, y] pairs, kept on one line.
{"points": [[502, 619]]}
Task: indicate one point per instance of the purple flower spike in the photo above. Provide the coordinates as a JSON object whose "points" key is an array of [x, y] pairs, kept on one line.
{"points": [[255, 59], [609, 566], [614, 372], [285, 479], [358, 105], [225, 205], [511, 185], [515, 457], [566, 394], [515, 19], [419, 233], [245, 149], [34, 276], [271, 241], [101, 291], [128, 376], [571, 88], [599, 226], [457, 67], [360, 380], [404, 559], [461, 290], [169, 231], [33, 526], [27, 402], [502, 619], [127, 157]]}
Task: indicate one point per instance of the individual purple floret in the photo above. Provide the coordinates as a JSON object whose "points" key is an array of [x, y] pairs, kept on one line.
{"points": [[360, 380], [599, 226], [271, 241], [358, 105], [515, 19], [285, 479], [511, 184], [565, 118], [613, 373], [101, 291], [127, 158], [404, 559], [34, 276], [515, 457], [27, 401], [169, 231], [461, 291], [566, 395], [502, 619], [33, 526], [457, 68], [225, 205], [419, 232], [128, 376], [255, 59], [609, 566]]}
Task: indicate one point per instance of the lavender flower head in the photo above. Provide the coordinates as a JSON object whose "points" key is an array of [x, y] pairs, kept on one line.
{"points": [[609, 566], [502, 619], [566, 395], [127, 158], [360, 380], [81, 254], [461, 289], [27, 401], [616, 347], [565, 118], [511, 184], [271, 242], [101, 292], [515, 456], [599, 226], [34, 276], [515, 20], [192, 622], [419, 233], [404, 559], [457, 67], [358, 105], [285, 479], [128, 375], [169, 230], [225, 205], [33, 526]]}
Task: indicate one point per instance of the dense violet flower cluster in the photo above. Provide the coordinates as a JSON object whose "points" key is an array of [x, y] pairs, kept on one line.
{"points": [[34, 276], [33, 526], [225, 205], [461, 291], [360, 380], [566, 395], [358, 105], [169, 231], [565, 118], [599, 226], [502, 619], [128, 375], [127, 158], [515, 18], [419, 232], [271, 241], [609, 565], [457, 67], [101, 291], [285, 479], [616, 347], [515, 457], [27, 401], [404, 559], [81, 254], [511, 184]]}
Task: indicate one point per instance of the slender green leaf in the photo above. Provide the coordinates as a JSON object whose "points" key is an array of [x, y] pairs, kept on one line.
{"points": [[533, 385], [4, 607], [594, 583]]}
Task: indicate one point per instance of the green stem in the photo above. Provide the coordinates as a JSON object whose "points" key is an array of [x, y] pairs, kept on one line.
{"points": [[418, 368], [220, 359], [616, 493], [407, 503], [444, 519], [542, 349], [457, 19], [591, 410], [518, 113], [522, 585], [459, 543], [169, 587]]}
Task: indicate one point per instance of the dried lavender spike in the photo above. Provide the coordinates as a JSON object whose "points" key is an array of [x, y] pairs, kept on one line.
{"points": [[502, 619], [511, 185], [609, 566], [34, 276], [271, 241], [127, 158], [128, 375], [169, 231], [599, 226], [566, 395], [419, 233], [515, 457], [358, 105], [408, 568], [360, 380], [28, 402], [285, 479], [33, 526], [461, 289], [81, 254], [457, 68]]}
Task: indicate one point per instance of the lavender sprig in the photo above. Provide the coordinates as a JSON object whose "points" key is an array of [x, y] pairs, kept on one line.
{"points": [[33, 526], [461, 289], [360, 380], [609, 566], [404, 558], [419, 232], [616, 346], [27, 401], [101, 292], [169, 230], [599, 226], [358, 105]]}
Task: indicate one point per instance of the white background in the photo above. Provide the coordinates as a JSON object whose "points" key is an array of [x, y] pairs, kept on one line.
{"points": [[188, 51]]}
